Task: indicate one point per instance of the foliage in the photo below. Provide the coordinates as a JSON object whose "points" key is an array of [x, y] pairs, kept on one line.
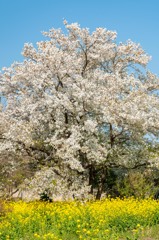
{"points": [[106, 219], [4, 209], [44, 196], [79, 104], [14, 170], [138, 184]]}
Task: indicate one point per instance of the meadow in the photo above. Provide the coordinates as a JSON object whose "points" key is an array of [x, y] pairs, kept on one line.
{"points": [[114, 219]]}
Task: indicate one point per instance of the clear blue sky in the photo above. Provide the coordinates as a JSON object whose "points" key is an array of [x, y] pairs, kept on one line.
{"points": [[23, 20]]}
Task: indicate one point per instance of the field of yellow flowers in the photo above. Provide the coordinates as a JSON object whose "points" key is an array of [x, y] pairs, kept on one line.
{"points": [[105, 219]]}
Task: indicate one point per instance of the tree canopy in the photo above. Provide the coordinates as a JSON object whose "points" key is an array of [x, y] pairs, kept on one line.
{"points": [[78, 104]]}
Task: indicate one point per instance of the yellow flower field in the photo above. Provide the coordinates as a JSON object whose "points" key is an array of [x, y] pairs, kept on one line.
{"points": [[105, 219]]}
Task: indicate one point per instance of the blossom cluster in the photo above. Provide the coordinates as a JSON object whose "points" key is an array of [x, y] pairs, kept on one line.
{"points": [[77, 100]]}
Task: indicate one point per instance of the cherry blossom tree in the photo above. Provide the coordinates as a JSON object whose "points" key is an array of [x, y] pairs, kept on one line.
{"points": [[78, 104]]}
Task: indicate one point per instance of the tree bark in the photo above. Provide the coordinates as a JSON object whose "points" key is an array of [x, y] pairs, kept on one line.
{"points": [[101, 183], [91, 178], [111, 136]]}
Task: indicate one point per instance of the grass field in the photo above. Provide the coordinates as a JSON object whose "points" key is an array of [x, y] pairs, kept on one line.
{"points": [[106, 219]]}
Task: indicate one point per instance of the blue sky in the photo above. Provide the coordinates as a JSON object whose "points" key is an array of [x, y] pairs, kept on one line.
{"points": [[23, 20]]}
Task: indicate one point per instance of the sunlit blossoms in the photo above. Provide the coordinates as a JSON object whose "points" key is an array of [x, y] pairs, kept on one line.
{"points": [[79, 103]]}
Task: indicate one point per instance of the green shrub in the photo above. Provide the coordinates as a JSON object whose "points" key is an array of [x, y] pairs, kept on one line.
{"points": [[136, 183]]}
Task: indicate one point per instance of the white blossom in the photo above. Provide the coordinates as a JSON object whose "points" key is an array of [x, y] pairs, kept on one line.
{"points": [[78, 94]]}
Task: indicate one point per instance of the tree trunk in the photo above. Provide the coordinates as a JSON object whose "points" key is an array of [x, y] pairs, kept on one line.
{"points": [[101, 183], [99, 192], [91, 178], [111, 136]]}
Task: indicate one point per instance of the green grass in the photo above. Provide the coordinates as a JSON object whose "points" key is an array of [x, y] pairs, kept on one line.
{"points": [[147, 233]]}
